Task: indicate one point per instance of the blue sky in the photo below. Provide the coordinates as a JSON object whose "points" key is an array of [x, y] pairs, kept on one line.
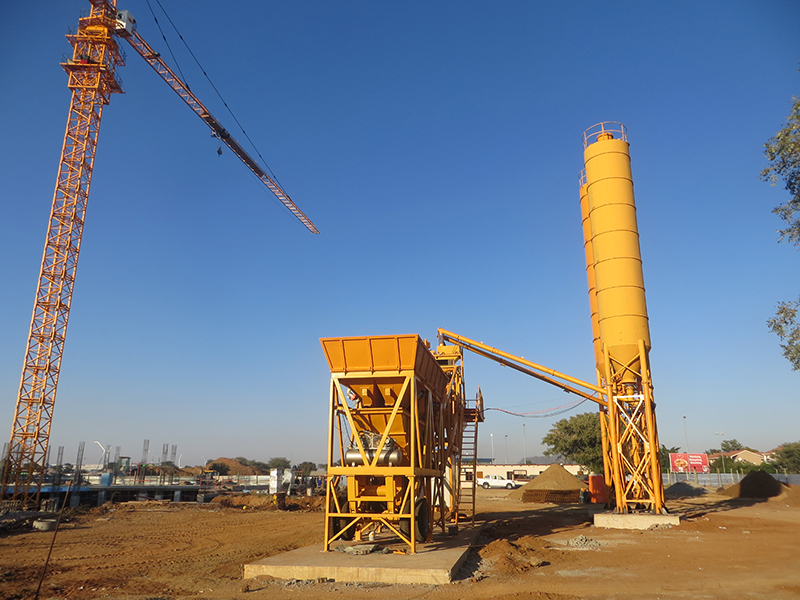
{"points": [[437, 147]]}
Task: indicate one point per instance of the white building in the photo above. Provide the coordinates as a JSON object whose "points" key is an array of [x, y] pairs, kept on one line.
{"points": [[518, 471]]}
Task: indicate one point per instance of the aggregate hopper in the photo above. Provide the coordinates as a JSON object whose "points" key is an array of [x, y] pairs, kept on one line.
{"points": [[393, 438]]}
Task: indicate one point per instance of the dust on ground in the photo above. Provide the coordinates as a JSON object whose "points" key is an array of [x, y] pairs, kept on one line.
{"points": [[724, 548]]}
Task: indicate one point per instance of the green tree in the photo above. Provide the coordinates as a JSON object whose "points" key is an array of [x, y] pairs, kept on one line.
{"points": [[783, 153], [278, 462], [577, 439], [731, 445], [787, 457], [727, 446], [664, 456], [306, 467], [741, 466], [219, 467]]}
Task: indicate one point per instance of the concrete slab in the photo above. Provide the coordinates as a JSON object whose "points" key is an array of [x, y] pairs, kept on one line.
{"points": [[633, 521], [434, 563]]}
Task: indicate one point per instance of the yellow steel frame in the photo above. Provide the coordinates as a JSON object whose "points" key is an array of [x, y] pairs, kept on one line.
{"points": [[92, 80], [630, 436], [419, 410], [450, 359], [628, 427]]}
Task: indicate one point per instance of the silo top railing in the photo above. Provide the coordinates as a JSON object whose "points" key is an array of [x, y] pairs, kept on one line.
{"points": [[613, 128]]}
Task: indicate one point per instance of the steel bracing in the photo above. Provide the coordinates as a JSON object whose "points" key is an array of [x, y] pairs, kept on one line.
{"points": [[627, 420]]}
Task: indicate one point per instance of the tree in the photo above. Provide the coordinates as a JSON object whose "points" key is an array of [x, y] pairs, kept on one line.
{"points": [[786, 326], [219, 467], [664, 456], [306, 467], [740, 466], [783, 153], [727, 446], [577, 439], [787, 457], [278, 462]]}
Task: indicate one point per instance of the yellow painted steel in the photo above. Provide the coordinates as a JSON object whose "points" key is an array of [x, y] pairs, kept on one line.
{"points": [[530, 368], [621, 306], [619, 321], [394, 438], [590, 276]]}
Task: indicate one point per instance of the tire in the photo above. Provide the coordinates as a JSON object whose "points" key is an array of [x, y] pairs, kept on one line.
{"points": [[339, 523], [423, 522], [485, 485], [509, 486]]}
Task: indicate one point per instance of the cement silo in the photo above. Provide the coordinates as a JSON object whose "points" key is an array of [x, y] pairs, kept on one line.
{"points": [[620, 325]]}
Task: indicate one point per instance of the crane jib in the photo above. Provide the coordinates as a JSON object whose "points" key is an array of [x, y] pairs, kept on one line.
{"points": [[154, 59]]}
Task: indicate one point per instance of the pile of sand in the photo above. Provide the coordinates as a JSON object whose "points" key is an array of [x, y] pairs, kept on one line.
{"points": [[555, 477], [756, 484], [267, 502], [684, 489], [504, 557], [790, 496], [237, 468]]}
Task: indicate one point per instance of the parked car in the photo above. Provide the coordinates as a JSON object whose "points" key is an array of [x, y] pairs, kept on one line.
{"points": [[496, 481]]}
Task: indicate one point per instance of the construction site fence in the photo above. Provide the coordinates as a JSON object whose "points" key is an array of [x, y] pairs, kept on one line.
{"points": [[722, 479]]}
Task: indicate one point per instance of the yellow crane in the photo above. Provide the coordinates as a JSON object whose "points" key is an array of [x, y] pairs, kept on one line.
{"points": [[92, 79]]}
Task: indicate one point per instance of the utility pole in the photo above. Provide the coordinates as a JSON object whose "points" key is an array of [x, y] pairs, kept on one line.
{"points": [[721, 453], [524, 446], [686, 435]]}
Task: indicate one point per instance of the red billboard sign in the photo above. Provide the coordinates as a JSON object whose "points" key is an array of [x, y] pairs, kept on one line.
{"points": [[688, 463]]}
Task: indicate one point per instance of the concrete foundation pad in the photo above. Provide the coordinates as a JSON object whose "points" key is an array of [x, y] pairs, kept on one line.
{"points": [[434, 563], [633, 521]]}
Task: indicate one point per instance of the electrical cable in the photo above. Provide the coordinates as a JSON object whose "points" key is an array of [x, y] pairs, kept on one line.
{"points": [[541, 414]]}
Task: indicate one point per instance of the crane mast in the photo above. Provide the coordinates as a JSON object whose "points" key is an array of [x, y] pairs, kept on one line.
{"points": [[92, 79]]}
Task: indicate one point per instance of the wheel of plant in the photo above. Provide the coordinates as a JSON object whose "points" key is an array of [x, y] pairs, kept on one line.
{"points": [[339, 523], [509, 486], [485, 485], [423, 512]]}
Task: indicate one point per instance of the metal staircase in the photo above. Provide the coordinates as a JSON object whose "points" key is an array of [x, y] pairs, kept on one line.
{"points": [[469, 457]]}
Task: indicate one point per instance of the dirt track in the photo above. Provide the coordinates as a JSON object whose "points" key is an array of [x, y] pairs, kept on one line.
{"points": [[723, 548]]}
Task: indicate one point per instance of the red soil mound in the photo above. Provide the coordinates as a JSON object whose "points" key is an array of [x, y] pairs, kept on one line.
{"points": [[756, 484], [555, 477]]}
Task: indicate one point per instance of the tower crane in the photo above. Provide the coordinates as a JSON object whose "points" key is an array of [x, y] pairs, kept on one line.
{"points": [[92, 79]]}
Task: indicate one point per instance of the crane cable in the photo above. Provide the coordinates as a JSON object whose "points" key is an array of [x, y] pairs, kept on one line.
{"points": [[219, 95]]}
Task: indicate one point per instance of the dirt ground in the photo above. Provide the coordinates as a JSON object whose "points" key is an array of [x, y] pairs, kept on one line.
{"points": [[723, 549]]}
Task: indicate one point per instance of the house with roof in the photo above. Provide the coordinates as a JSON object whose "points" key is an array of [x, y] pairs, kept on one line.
{"points": [[750, 456]]}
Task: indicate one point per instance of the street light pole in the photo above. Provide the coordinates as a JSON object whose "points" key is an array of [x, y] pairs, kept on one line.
{"points": [[507, 449], [491, 436], [686, 435], [721, 453], [524, 445], [103, 448]]}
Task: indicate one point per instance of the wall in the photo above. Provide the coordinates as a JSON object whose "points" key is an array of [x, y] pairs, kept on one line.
{"points": [[532, 470]]}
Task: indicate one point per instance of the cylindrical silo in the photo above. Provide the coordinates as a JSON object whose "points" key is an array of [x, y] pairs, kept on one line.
{"points": [[587, 246], [621, 307]]}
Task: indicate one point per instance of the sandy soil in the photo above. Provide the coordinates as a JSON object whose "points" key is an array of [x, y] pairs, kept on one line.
{"points": [[724, 549]]}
